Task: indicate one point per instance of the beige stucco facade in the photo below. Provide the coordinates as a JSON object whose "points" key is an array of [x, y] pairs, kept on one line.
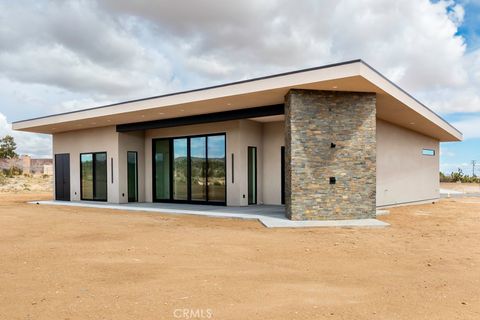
{"points": [[93, 140], [329, 134], [404, 174]]}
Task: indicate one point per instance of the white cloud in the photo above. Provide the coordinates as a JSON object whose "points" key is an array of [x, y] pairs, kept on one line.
{"points": [[36, 145], [59, 56], [75, 46], [470, 127], [413, 42]]}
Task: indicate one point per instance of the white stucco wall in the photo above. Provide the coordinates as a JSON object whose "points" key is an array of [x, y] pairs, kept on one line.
{"points": [[403, 173]]}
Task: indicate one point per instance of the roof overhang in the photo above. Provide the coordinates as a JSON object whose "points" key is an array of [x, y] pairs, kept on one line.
{"points": [[393, 104]]}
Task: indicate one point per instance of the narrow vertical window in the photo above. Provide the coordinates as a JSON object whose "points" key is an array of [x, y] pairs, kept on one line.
{"points": [[252, 175], [132, 176]]}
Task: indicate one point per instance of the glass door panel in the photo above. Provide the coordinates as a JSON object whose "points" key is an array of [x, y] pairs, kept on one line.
{"points": [[86, 168], [180, 169], [93, 173], [100, 174], [198, 168], [162, 169], [216, 168]]}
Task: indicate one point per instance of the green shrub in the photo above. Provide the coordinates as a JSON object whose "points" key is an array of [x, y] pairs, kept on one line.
{"points": [[3, 179], [458, 176]]}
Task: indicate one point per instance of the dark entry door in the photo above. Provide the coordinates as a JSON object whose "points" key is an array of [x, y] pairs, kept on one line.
{"points": [[62, 177], [282, 173]]}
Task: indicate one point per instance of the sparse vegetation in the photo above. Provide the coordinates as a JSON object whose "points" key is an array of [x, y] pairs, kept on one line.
{"points": [[459, 176], [7, 152], [25, 183], [8, 147]]}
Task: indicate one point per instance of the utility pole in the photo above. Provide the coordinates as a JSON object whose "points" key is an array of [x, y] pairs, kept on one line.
{"points": [[474, 162]]}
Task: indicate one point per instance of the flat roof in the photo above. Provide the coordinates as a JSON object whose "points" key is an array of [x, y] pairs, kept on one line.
{"points": [[393, 103]]}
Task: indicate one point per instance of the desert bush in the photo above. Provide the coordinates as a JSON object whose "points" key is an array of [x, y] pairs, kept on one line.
{"points": [[3, 179], [13, 171], [458, 176]]}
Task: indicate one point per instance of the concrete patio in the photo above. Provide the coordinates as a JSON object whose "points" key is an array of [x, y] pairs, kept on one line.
{"points": [[269, 215]]}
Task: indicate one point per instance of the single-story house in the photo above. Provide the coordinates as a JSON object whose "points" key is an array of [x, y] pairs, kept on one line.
{"points": [[332, 142]]}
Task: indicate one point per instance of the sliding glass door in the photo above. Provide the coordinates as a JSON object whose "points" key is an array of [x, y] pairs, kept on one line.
{"points": [[93, 173], [190, 169]]}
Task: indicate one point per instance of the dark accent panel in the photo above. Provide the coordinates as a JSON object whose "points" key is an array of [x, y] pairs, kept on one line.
{"points": [[62, 177], [233, 168], [252, 175], [272, 110], [282, 173]]}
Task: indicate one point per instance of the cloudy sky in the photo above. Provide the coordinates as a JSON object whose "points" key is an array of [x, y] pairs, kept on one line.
{"points": [[59, 56]]}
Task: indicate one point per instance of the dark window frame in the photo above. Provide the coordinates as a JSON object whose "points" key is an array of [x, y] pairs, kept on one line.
{"points": [[171, 159], [93, 176]]}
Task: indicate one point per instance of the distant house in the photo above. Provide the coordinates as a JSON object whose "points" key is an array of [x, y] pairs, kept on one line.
{"points": [[332, 142], [29, 165]]}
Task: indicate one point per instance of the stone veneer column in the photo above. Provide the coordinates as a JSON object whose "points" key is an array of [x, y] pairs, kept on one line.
{"points": [[313, 121]]}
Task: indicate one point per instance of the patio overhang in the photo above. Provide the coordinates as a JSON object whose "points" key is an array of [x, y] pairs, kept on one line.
{"points": [[393, 104]]}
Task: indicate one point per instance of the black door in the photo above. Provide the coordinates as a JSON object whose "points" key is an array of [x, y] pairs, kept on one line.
{"points": [[62, 177], [282, 173]]}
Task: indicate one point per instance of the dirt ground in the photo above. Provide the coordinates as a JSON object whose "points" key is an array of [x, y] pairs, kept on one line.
{"points": [[462, 187], [78, 263]]}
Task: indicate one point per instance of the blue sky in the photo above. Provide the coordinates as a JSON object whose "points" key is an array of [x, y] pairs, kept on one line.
{"points": [[460, 155], [58, 56]]}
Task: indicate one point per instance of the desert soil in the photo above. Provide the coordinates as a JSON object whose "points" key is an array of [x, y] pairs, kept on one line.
{"points": [[78, 263], [26, 184], [462, 187]]}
